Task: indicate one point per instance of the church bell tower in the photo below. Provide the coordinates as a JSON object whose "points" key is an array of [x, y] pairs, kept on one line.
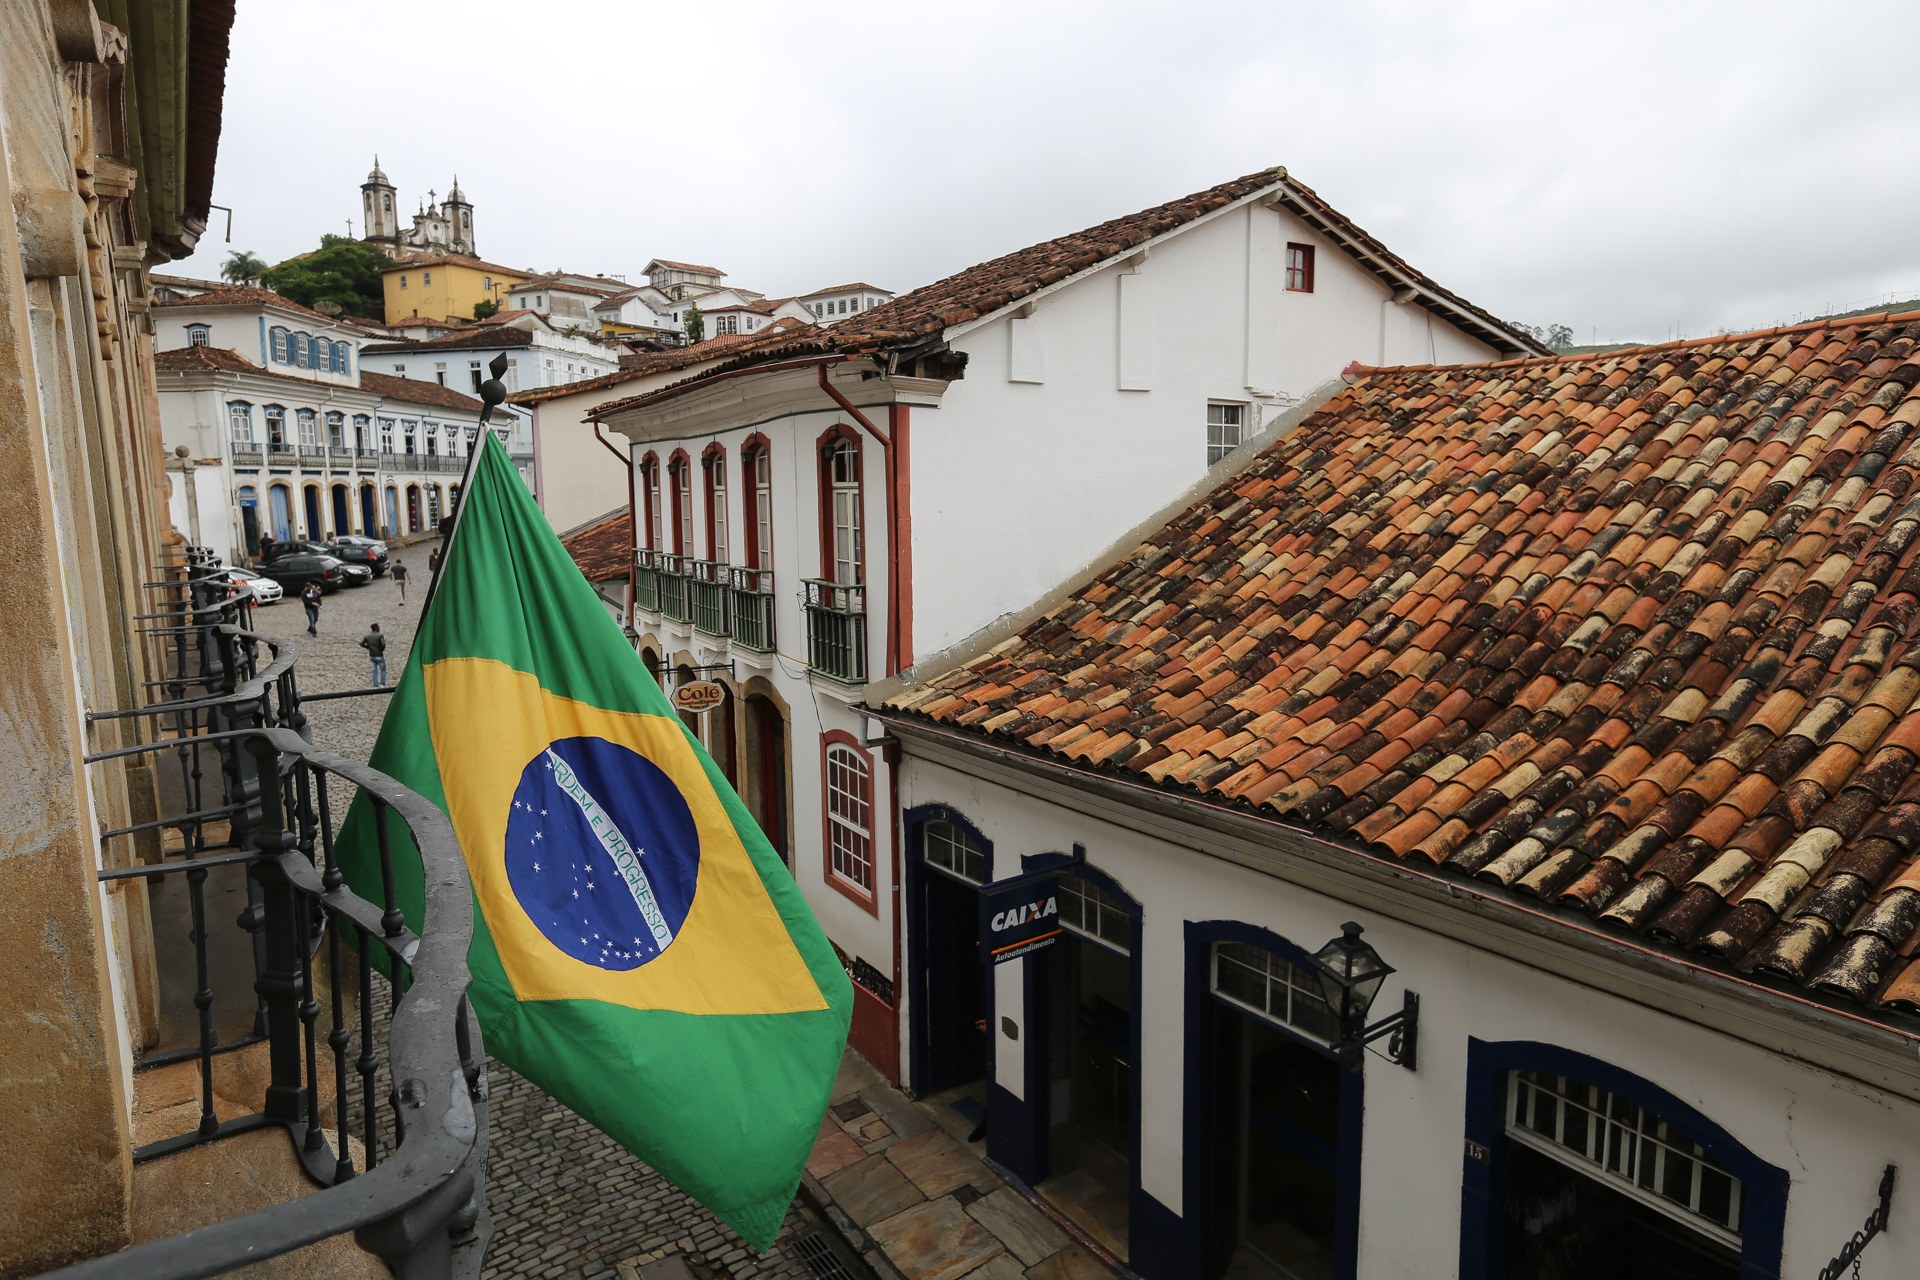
{"points": [[379, 217], [459, 215]]}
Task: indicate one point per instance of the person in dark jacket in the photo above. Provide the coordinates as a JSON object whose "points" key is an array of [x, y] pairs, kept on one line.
{"points": [[310, 597], [376, 646], [401, 577]]}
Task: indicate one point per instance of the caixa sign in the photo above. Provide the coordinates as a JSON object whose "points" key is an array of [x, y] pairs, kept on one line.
{"points": [[1018, 917]]}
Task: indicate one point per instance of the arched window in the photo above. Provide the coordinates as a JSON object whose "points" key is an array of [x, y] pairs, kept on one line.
{"points": [[680, 486], [952, 848], [840, 508], [309, 429], [198, 335], [409, 432], [849, 778], [240, 423], [279, 340], [650, 497], [757, 494], [714, 463], [276, 427], [1088, 909], [336, 431], [431, 430], [360, 426], [386, 435]]}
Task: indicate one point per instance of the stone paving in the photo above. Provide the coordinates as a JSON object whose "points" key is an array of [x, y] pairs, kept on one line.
{"points": [[567, 1203]]}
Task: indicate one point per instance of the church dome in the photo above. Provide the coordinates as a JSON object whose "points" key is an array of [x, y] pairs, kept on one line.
{"points": [[377, 175], [457, 195]]}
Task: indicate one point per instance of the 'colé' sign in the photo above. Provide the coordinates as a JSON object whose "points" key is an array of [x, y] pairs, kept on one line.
{"points": [[1018, 917]]}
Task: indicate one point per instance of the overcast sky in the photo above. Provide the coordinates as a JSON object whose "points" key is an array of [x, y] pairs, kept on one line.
{"points": [[1625, 169]]}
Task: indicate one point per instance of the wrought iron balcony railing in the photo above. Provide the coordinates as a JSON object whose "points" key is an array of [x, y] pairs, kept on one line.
{"points": [[646, 579], [753, 609], [674, 596], [256, 795], [836, 630], [709, 597]]}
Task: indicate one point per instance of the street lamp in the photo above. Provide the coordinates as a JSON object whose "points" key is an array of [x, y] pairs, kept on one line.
{"points": [[1351, 973]]}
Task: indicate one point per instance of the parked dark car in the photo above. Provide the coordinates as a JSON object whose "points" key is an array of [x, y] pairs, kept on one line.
{"points": [[298, 548], [361, 551], [358, 575], [295, 571]]}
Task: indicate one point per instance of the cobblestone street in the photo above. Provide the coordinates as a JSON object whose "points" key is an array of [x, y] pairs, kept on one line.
{"points": [[566, 1201]]}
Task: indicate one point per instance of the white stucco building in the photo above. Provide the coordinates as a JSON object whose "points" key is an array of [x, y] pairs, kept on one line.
{"points": [[827, 508]]}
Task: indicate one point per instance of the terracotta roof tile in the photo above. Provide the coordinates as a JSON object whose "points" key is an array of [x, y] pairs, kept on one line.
{"points": [[1625, 634], [414, 391], [603, 548], [243, 295], [639, 365]]}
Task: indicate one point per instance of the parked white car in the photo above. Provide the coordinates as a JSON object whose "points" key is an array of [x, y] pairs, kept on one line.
{"points": [[265, 590]]}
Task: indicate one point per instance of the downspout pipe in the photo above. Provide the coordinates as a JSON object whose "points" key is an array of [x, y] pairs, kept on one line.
{"points": [[893, 526], [633, 517]]}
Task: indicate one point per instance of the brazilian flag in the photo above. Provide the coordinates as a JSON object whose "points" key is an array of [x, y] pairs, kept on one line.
{"points": [[640, 952]]}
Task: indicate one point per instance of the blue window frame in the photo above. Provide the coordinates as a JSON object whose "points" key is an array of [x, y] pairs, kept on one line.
{"points": [[198, 335], [240, 423], [280, 345], [1483, 1189]]}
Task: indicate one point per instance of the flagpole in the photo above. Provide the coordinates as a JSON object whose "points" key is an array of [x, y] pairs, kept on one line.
{"points": [[492, 392]]}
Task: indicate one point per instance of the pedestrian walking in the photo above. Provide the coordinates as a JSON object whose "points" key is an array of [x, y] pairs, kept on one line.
{"points": [[266, 547], [310, 597], [376, 646], [401, 576], [433, 561]]}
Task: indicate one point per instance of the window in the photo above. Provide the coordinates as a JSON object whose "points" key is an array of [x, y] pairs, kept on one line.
{"points": [[1088, 909], [840, 467], [440, 372], [717, 540], [276, 427], [726, 324], [679, 482], [849, 817], [650, 486], [843, 306], [1632, 1150], [309, 429], [336, 431], [426, 278], [1300, 268], [360, 441], [386, 435], [954, 850], [473, 371], [1273, 985], [301, 345], [408, 428], [403, 279], [240, 424], [432, 441], [1223, 430], [280, 345], [197, 335], [486, 282], [759, 499]]}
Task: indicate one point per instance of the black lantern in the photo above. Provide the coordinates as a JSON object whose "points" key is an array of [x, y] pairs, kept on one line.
{"points": [[1351, 974]]}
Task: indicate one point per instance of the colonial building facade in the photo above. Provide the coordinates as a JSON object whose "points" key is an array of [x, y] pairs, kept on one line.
{"points": [[1584, 687], [821, 508]]}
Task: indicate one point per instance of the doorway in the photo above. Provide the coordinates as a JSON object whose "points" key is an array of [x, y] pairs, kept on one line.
{"points": [[767, 751], [342, 512], [951, 1044], [249, 520], [315, 530], [280, 512], [369, 519], [1090, 987]]}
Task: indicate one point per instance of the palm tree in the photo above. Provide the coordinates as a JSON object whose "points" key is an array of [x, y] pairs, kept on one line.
{"points": [[243, 267]]}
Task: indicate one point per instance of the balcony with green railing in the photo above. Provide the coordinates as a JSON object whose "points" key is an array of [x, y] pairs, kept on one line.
{"points": [[646, 579], [675, 603], [753, 609], [837, 630], [708, 596]]}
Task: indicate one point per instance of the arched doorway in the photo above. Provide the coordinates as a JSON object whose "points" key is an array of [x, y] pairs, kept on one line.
{"points": [[369, 515], [249, 500], [650, 658], [413, 508], [766, 762], [342, 511], [720, 737], [433, 506], [393, 512], [280, 512], [310, 499]]}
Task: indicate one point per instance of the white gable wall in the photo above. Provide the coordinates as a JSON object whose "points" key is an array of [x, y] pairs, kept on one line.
{"points": [[1019, 484]]}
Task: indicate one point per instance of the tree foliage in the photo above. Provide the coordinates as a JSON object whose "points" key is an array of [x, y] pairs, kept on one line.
{"points": [[1557, 337], [484, 308], [696, 325], [242, 267], [341, 270]]}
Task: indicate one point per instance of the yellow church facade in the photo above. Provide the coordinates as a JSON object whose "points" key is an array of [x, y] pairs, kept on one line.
{"points": [[445, 287]]}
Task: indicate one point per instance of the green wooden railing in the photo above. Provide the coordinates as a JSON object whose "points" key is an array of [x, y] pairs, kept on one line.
{"points": [[837, 630]]}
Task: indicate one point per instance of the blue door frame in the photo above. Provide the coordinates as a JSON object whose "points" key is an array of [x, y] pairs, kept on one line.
{"points": [[1200, 1258], [914, 874], [1483, 1182]]}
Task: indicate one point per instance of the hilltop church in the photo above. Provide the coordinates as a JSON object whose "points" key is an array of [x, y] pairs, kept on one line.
{"points": [[446, 227]]}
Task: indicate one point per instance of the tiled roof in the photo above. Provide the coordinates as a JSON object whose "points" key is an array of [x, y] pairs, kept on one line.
{"points": [[456, 260], [558, 281], [186, 359], [687, 266], [506, 317], [845, 288], [1629, 635], [414, 391], [986, 288], [603, 547], [638, 365], [487, 336], [243, 295]]}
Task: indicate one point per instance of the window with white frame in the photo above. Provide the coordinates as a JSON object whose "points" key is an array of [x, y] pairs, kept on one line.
{"points": [[302, 345], [309, 428], [360, 423], [198, 335], [403, 279], [279, 340], [843, 484], [276, 427], [1624, 1146], [1275, 987], [1088, 909], [432, 433], [652, 470], [409, 429], [426, 277], [440, 372], [717, 539], [240, 423], [386, 435], [336, 431], [951, 849], [850, 816], [762, 508], [473, 372], [1224, 424]]}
